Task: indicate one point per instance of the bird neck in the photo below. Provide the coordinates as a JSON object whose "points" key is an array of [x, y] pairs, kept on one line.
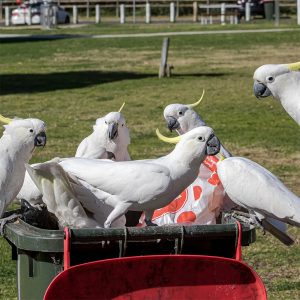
{"points": [[190, 121]]}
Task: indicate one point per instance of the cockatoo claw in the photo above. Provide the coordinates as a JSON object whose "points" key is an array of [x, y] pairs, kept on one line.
{"points": [[150, 223], [6, 220]]}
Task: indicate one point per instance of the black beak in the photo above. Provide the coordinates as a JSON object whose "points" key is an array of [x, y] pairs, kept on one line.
{"points": [[172, 123], [213, 145], [260, 90], [112, 130], [40, 140]]}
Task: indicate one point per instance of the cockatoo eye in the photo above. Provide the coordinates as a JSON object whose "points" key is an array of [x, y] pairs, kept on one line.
{"points": [[180, 113], [31, 130], [105, 122], [270, 79], [122, 125], [201, 138]]}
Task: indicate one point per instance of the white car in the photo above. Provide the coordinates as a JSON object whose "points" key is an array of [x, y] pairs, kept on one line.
{"points": [[20, 15]]}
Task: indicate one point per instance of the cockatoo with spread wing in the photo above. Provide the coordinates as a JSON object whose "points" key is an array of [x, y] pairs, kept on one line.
{"points": [[182, 118], [65, 197], [17, 145], [110, 139], [144, 185], [282, 81]]}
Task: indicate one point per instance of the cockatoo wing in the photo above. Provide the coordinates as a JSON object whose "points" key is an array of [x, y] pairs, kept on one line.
{"points": [[254, 187], [132, 180], [30, 191], [59, 195]]}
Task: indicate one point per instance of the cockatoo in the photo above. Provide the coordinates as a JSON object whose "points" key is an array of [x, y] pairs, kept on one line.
{"points": [[182, 118], [110, 139], [17, 145], [282, 81], [71, 203], [250, 185], [144, 185]]}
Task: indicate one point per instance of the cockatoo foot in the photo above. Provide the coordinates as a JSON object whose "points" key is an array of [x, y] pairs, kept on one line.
{"points": [[150, 223], [6, 220]]}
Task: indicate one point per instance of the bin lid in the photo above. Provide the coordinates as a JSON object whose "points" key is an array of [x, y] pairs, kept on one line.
{"points": [[161, 277]]}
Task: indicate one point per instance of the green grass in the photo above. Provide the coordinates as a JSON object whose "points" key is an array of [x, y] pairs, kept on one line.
{"points": [[70, 82]]}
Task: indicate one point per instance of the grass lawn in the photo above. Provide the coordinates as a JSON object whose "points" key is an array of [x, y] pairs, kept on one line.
{"points": [[68, 83]]}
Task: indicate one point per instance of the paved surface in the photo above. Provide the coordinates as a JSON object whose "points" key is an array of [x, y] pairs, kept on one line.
{"points": [[133, 35]]}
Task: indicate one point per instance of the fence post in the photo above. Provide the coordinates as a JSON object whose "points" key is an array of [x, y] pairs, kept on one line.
{"points": [[223, 10], [7, 16], [298, 12], [29, 17], [277, 13], [148, 13], [75, 14], [247, 12], [98, 13], [172, 12], [122, 13], [195, 11], [165, 69]]}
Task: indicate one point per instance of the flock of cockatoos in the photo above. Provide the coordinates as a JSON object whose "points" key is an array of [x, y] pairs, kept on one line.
{"points": [[196, 181]]}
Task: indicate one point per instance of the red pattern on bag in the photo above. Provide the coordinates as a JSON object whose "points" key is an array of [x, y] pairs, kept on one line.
{"points": [[173, 207]]}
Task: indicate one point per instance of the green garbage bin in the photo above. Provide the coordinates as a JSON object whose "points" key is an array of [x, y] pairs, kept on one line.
{"points": [[269, 9], [40, 253]]}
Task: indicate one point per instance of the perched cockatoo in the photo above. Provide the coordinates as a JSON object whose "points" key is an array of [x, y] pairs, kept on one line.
{"points": [[282, 81], [17, 145], [110, 139], [200, 202], [183, 118], [250, 185], [144, 185], [71, 203]]}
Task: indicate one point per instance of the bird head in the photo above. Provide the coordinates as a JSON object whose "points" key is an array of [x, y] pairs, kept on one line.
{"points": [[198, 142], [31, 132], [266, 76], [182, 117]]}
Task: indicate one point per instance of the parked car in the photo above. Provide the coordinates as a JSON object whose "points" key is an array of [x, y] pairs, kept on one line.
{"points": [[20, 15], [256, 8]]}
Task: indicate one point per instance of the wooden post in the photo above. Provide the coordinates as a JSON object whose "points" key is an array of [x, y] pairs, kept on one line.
{"points": [[7, 16], [165, 69], [133, 11], [88, 9], [122, 13], [223, 10], [298, 12], [247, 12], [277, 13], [195, 11], [148, 13], [29, 16], [172, 12], [98, 14], [75, 14]]}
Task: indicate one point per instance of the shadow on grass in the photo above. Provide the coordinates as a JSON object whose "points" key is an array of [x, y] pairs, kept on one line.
{"points": [[38, 37], [37, 83]]}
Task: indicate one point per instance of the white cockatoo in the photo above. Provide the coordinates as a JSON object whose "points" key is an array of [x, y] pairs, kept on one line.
{"points": [[110, 139], [183, 118], [252, 186], [17, 144], [71, 203], [282, 81], [144, 185]]}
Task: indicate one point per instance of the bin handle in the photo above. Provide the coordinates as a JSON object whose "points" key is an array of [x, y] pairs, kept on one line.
{"points": [[66, 248], [238, 250]]}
